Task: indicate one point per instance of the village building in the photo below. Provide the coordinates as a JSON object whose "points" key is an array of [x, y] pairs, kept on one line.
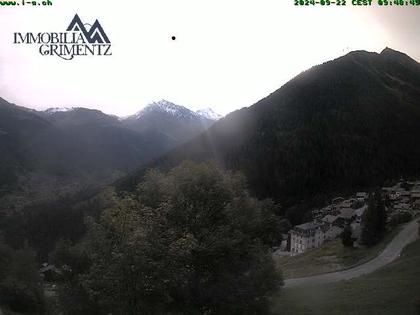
{"points": [[346, 216], [306, 236], [362, 196], [329, 220]]}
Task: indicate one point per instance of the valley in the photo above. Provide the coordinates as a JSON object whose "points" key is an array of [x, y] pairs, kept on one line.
{"points": [[174, 211]]}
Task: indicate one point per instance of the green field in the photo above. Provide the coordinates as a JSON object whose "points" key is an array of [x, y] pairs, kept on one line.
{"points": [[394, 289], [330, 257]]}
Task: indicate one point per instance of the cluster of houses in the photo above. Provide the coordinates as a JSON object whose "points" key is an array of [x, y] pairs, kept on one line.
{"points": [[329, 222], [403, 197]]}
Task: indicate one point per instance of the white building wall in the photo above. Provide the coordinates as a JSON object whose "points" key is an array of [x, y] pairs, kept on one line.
{"points": [[300, 243]]}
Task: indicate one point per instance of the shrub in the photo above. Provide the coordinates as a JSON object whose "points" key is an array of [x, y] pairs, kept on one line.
{"points": [[400, 218]]}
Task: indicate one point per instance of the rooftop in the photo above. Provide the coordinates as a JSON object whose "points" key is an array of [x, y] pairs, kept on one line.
{"points": [[329, 218], [307, 226], [347, 213]]}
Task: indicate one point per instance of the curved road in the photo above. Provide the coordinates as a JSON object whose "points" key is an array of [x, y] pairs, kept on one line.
{"points": [[389, 254]]}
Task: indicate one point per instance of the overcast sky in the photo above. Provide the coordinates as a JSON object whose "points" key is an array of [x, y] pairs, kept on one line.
{"points": [[228, 53]]}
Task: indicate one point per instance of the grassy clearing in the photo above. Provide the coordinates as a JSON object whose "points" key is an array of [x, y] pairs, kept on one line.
{"points": [[330, 257], [394, 289]]}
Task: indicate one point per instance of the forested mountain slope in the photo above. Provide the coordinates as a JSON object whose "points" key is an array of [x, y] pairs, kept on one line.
{"points": [[349, 123]]}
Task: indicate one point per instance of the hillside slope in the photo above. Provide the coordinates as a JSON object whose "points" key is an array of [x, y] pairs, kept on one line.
{"points": [[393, 289], [349, 123], [55, 152]]}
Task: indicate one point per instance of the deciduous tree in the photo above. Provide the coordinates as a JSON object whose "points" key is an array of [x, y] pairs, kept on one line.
{"points": [[191, 241]]}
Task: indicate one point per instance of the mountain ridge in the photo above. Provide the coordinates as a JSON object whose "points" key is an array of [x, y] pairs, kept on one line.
{"points": [[348, 123], [77, 147]]}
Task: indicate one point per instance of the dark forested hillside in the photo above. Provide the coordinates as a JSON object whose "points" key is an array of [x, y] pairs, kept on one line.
{"points": [[18, 127], [349, 123]]}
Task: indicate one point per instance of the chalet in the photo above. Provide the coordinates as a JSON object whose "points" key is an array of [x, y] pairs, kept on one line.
{"points": [[387, 190], [362, 196], [306, 236]]}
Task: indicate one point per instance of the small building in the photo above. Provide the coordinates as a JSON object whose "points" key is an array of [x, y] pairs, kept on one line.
{"points": [[306, 236], [362, 196]]}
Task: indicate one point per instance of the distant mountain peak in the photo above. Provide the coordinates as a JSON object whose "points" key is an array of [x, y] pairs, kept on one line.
{"points": [[209, 113], [168, 108], [54, 110]]}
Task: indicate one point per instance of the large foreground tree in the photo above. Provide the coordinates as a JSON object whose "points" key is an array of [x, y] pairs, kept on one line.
{"points": [[20, 283], [188, 242]]}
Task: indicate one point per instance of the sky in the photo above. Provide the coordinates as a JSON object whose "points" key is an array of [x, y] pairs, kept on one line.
{"points": [[228, 54]]}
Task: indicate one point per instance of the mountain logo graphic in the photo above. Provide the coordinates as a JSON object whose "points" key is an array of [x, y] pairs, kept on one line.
{"points": [[80, 39], [94, 34]]}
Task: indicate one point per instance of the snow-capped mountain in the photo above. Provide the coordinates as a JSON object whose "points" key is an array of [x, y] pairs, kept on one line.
{"points": [[174, 121], [165, 107], [54, 110], [209, 114]]}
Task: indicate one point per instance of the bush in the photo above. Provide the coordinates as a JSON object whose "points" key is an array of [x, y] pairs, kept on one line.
{"points": [[400, 218]]}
